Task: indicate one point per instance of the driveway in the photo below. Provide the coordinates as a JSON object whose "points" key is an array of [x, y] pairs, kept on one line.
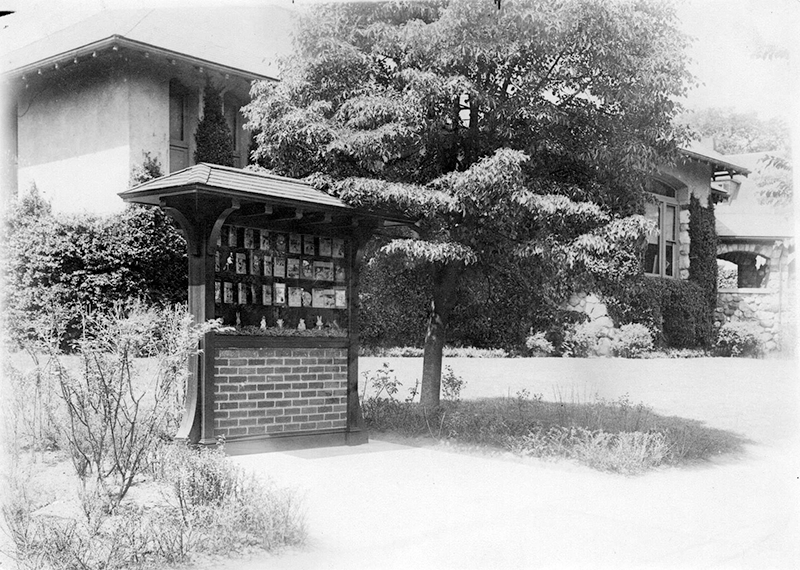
{"points": [[385, 505]]}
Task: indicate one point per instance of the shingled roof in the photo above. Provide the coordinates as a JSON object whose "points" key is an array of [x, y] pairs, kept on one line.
{"points": [[234, 182]]}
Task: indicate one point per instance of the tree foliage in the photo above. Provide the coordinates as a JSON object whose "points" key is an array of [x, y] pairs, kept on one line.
{"points": [[739, 133], [213, 137], [56, 263], [522, 133]]}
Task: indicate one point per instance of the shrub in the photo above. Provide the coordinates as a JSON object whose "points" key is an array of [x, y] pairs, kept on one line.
{"points": [[632, 341], [580, 341], [213, 138], [57, 263], [116, 414], [228, 507], [538, 344], [672, 309], [738, 339]]}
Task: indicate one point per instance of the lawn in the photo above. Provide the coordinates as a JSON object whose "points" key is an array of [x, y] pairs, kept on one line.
{"points": [[618, 415]]}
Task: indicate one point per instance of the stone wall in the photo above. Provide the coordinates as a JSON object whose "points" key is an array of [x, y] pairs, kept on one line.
{"points": [[770, 307], [760, 307], [268, 391], [599, 319]]}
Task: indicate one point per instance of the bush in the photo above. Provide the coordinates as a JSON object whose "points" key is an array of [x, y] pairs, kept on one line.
{"points": [[538, 344], [632, 341], [116, 413], [671, 308], [738, 339], [580, 341], [58, 263]]}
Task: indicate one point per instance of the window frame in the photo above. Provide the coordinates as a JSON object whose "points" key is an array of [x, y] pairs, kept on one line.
{"points": [[663, 202]]}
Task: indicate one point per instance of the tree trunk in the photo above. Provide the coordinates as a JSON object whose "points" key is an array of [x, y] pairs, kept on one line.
{"points": [[445, 281]]}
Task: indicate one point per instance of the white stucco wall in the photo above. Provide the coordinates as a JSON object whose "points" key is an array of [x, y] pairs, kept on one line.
{"points": [[69, 145], [148, 111]]}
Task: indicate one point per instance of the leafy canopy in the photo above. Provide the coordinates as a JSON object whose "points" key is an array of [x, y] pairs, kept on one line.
{"points": [[415, 107]]}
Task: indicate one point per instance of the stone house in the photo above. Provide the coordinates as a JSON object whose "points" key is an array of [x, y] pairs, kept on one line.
{"points": [[88, 104], [756, 252]]}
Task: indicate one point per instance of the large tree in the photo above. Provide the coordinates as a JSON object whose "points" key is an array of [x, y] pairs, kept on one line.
{"points": [[523, 132]]}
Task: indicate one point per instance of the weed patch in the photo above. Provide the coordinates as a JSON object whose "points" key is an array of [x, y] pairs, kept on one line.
{"points": [[616, 436]]}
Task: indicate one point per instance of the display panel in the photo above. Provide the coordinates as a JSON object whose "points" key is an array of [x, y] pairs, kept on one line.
{"points": [[281, 280]]}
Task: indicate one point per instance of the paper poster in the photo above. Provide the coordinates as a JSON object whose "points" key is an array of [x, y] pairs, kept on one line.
{"points": [[308, 269], [323, 271], [325, 247], [242, 293], [241, 263], [307, 298], [232, 236], [338, 247], [217, 292], [295, 296], [341, 274], [340, 296], [308, 245], [324, 299], [216, 260], [266, 294], [249, 239], [267, 266], [280, 293], [279, 267], [295, 244], [280, 243], [264, 242], [228, 292], [254, 296], [255, 263], [292, 268]]}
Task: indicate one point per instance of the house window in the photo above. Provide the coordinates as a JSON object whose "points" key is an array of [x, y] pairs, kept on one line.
{"points": [[662, 247], [232, 118], [178, 136]]}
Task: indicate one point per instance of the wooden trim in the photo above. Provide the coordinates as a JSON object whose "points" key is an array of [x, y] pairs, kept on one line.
{"points": [[294, 440], [255, 341]]}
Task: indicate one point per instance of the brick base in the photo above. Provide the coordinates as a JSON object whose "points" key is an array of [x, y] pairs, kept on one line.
{"points": [[275, 391]]}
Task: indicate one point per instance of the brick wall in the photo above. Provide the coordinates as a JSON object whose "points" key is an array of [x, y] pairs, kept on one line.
{"points": [[260, 391]]}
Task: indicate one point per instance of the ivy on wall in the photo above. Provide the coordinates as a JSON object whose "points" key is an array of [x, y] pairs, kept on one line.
{"points": [[703, 264]]}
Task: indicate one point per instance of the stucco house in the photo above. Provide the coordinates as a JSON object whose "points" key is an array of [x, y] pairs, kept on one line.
{"points": [[86, 105]]}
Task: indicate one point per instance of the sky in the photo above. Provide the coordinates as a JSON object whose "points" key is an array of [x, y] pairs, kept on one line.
{"points": [[728, 34]]}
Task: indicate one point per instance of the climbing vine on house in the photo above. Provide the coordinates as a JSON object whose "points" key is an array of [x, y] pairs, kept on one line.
{"points": [[703, 265]]}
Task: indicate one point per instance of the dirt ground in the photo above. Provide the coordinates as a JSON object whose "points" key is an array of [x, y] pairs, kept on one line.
{"points": [[388, 505], [393, 505]]}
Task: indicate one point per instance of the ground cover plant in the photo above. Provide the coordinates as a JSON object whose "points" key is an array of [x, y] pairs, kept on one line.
{"points": [[94, 480], [617, 436]]}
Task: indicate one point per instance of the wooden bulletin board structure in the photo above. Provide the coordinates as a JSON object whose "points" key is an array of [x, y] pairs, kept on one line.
{"points": [[265, 252]]}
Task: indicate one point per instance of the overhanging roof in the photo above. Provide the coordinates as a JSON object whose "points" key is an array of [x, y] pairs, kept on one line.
{"points": [[723, 167], [116, 42], [248, 39], [246, 185]]}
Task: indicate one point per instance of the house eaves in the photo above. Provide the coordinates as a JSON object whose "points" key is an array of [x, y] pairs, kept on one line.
{"points": [[117, 42], [722, 168]]}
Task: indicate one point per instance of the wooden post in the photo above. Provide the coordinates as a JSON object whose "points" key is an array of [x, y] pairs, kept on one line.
{"points": [[355, 421], [201, 228]]}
